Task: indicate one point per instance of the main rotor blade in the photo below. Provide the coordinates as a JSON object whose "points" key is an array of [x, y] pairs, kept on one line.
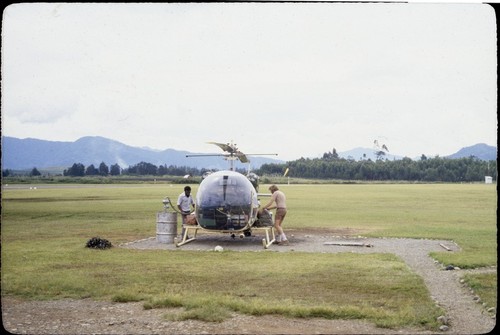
{"points": [[261, 154], [233, 152], [242, 157], [206, 155], [225, 147]]}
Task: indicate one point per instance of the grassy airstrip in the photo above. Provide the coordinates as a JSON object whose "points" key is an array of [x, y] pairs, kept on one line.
{"points": [[44, 232]]}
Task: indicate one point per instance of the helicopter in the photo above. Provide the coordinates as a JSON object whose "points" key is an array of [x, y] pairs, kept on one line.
{"points": [[226, 201]]}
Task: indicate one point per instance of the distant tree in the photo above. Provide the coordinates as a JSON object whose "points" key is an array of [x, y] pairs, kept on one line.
{"points": [[34, 172], [76, 170], [328, 156], [103, 169], [6, 173], [143, 168], [91, 170], [380, 150], [115, 170], [162, 170], [380, 154]]}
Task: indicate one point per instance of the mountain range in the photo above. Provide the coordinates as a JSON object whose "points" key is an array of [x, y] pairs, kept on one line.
{"points": [[22, 154]]}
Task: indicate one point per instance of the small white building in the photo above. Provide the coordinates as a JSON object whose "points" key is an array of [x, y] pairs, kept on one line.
{"points": [[488, 180]]}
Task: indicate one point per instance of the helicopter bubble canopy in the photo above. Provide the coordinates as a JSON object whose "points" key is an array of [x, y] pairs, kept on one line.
{"points": [[226, 200]]}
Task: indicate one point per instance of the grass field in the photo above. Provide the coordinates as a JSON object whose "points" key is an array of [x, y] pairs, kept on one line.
{"points": [[44, 232]]}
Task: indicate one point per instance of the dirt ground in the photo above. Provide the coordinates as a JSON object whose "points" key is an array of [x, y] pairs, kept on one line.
{"points": [[91, 317], [465, 315]]}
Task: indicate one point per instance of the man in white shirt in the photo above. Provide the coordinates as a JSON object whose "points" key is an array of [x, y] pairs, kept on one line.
{"points": [[184, 203]]}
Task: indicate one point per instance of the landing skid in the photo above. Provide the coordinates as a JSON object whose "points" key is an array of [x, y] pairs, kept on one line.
{"points": [[266, 242], [185, 239], [191, 230]]}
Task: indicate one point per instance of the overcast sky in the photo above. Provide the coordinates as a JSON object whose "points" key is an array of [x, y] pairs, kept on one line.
{"points": [[293, 79]]}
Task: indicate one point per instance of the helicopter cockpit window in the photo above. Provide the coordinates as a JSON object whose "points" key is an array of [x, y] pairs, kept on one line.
{"points": [[225, 200], [225, 181], [225, 190]]}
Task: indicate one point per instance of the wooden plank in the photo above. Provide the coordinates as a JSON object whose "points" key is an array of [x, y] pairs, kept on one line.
{"points": [[349, 244], [441, 244]]}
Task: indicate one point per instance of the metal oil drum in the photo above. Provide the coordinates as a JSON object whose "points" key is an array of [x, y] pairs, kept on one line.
{"points": [[166, 227]]}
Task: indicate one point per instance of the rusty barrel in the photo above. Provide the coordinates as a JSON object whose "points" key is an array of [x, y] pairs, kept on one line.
{"points": [[166, 227]]}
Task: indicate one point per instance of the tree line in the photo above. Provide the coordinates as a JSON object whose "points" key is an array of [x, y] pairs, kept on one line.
{"points": [[435, 169], [329, 166], [139, 169]]}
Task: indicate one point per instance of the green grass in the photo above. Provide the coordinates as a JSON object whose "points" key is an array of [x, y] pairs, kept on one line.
{"points": [[485, 286], [465, 214], [44, 232]]}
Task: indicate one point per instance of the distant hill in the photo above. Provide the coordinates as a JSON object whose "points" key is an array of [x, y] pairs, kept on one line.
{"points": [[480, 150], [22, 154]]}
